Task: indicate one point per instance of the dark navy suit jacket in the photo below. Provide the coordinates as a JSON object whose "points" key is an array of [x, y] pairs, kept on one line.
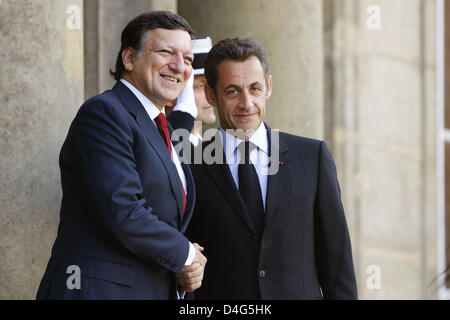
{"points": [[121, 219], [305, 251]]}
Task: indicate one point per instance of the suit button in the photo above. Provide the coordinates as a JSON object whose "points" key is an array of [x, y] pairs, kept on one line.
{"points": [[262, 273]]}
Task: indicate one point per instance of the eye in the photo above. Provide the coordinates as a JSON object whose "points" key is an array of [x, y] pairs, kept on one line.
{"points": [[165, 52], [199, 85], [256, 90], [188, 60]]}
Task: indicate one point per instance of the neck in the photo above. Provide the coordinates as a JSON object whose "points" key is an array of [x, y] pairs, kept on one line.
{"points": [[130, 80]]}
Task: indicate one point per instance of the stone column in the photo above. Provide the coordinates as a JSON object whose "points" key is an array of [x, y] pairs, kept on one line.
{"points": [[380, 103], [41, 88], [104, 22], [291, 33]]}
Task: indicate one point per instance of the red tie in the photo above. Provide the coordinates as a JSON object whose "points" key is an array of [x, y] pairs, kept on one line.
{"points": [[161, 122]]}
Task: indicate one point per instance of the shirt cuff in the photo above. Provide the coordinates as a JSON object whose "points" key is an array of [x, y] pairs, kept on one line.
{"points": [[191, 109], [180, 295], [191, 255]]}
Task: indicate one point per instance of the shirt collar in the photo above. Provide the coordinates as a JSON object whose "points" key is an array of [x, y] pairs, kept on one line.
{"points": [[230, 142], [149, 106]]}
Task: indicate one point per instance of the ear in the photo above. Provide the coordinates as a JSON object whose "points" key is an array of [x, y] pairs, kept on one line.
{"points": [[210, 95], [128, 58], [269, 87]]}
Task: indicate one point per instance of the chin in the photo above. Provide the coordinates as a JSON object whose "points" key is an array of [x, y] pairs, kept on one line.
{"points": [[169, 94], [209, 120]]}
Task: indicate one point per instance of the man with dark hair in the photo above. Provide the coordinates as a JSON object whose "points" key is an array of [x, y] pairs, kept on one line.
{"points": [[270, 217], [127, 198]]}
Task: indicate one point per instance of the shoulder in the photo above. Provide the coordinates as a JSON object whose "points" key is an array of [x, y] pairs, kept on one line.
{"points": [[305, 144], [305, 148], [101, 112], [293, 139], [104, 105], [106, 99]]}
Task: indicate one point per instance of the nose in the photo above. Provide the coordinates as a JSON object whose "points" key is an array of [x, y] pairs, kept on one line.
{"points": [[177, 63], [246, 101]]}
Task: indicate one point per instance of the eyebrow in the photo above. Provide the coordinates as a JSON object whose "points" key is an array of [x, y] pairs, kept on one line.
{"points": [[174, 47], [256, 83], [232, 85], [160, 46]]}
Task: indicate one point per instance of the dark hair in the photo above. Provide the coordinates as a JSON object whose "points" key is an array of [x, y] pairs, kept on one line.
{"points": [[236, 49], [134, 34]]}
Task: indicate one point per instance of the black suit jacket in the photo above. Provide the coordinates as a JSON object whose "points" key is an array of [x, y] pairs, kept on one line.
{"points": [[305, 251], [121, 215]]}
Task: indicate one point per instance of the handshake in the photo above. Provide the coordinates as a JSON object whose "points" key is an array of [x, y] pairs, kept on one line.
{"points": [[191, 277]]}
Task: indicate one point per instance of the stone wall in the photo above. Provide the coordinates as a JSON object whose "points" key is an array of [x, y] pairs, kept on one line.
{"points": [[41, 88], [380, 106]]}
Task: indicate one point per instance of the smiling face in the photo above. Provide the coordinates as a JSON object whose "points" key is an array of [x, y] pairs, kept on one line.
{"points": [[162, 67], [241, 94]]}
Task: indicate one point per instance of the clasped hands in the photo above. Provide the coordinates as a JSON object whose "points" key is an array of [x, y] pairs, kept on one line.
{"points": [[191, 277]]}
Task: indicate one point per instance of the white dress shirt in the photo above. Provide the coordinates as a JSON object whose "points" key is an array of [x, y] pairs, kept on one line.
{"points": [[153, 112], [259, 156]]}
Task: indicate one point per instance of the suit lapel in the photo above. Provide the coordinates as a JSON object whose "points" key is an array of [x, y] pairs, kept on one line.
{"points": [[221, 175], [190, 185], [275, 182], [134, 106]]}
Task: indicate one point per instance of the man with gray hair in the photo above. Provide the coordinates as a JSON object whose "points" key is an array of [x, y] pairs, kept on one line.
{"points": [[127, 197]]}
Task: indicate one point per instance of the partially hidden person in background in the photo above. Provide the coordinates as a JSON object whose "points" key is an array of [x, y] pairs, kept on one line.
{"points": [[182, 115]]}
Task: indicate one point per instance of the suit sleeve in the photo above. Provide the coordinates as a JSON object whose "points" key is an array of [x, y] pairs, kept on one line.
{"points": [[333, 249], [181, 120], [102, 144]]}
